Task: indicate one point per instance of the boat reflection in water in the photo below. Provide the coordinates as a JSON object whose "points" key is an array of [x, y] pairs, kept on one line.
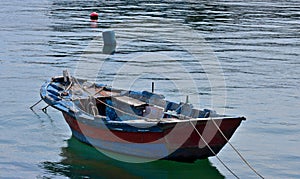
{"points": [[83, 161]]}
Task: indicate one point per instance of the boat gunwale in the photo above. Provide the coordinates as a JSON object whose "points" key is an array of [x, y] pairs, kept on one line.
{"points": [[81, 113]]}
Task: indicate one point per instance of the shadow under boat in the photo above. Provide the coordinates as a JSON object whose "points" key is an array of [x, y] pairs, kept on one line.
{"points": [[83, 161]]}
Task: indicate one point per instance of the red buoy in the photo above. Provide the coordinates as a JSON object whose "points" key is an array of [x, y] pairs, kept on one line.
{"points": [[94, 16]]}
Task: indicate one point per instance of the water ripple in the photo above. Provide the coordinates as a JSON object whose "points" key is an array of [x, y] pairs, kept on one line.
{"points": [[256, 43]]}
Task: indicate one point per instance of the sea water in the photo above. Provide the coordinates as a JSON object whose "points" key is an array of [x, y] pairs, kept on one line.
{"points": [[237, 57]]}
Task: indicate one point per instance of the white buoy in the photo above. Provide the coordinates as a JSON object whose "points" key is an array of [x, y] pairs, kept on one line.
{"points": [[109, 41], [109, 37]]}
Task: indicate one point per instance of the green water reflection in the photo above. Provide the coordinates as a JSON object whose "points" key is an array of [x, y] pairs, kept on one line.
{"points": [[83, 161]]}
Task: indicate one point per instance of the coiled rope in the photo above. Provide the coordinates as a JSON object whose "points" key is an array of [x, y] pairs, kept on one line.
{"points": [[117, 109]]}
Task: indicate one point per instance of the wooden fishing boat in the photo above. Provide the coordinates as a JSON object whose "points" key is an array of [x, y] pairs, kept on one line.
{"points": [[138, 124]]}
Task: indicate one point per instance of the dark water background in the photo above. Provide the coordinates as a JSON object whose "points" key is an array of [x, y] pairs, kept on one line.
{"points": [[257, 44]]}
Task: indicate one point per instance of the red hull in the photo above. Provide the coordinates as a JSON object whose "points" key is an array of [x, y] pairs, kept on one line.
{"points": [[184, 147]]}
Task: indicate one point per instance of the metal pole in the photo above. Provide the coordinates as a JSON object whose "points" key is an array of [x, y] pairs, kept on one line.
{"points": [[45, 109], [152, 87], [35, 104]]}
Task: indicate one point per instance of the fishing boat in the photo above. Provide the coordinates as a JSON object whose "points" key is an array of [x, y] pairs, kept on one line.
{"points": [[140, 124]]}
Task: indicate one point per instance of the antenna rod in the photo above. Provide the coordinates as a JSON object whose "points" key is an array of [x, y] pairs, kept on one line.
{"points": [[187, 99], [152, 87]]}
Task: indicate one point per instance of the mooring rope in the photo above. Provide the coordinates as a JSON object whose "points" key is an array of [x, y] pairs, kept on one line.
{"points": [[202, 138], [239, 154], [149, 119]]}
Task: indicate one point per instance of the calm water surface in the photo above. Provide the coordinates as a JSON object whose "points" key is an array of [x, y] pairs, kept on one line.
{"points": [[256, 44]]}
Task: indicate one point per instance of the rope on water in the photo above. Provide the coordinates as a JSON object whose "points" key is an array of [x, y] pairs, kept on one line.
{"points": [[202, 138], [239, 154]]}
